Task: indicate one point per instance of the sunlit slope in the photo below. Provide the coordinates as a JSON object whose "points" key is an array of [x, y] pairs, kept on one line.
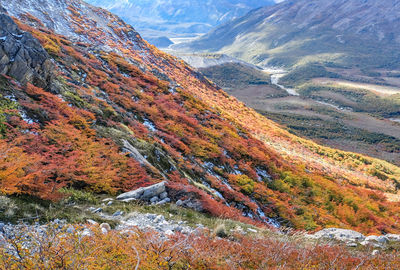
{"points": [[112, 91]]}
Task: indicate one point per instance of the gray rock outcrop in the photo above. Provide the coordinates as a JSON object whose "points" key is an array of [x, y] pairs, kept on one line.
{"points": [[353, 238], [340, 235], [21, 55], [154, 194]]}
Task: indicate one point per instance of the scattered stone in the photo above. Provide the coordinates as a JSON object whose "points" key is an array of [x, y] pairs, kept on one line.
{"points": [[169, 232], [252, 230], [154, 199], [166, 200], [86, 232], [70, 229], [159, 218], [375, 252], [110, 203], [57, 221], [97, 210], [151, 216], [104, 231], [352, 244], [105, 226], [118, 213], [379, 239], [163, 195], [108, 200], [178, 229], [92, 222], [393, 237], [179, 203], [340, 235]]}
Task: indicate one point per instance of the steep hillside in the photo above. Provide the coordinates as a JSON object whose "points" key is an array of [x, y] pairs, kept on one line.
{"points": [[342, 33], [108, 113], [179, 16]]}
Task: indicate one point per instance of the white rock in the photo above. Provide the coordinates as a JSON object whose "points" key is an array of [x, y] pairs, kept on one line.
{"points": [[352, 244], [144, 193], [379, 239], [97, 210], [340, 235], [105, 226], [159, 218], [252, 230], [86, 232], [118, 213], [375, 252], [70, 229], [169, 232], [393, 237], [92, 222]]}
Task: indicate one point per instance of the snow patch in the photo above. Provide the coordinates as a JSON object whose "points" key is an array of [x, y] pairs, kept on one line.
{"points": [[26, 118], [150, 125]]}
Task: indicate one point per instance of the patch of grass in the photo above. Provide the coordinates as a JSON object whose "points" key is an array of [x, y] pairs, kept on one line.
{"points": [[304, 73], [6, 108], [79, 196]]}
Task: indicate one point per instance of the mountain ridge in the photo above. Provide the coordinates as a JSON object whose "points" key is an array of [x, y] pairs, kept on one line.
{"points": [[181, 16], [291, 31]]}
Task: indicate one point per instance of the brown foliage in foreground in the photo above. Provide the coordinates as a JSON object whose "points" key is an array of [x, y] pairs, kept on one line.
{"points": [[56, 249]]}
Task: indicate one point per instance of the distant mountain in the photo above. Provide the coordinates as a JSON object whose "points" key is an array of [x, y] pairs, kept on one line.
{"points": [[179, 16], [340, 32]]}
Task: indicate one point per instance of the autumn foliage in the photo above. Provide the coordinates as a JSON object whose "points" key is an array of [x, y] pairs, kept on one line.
{"points": [[59, 248], [192, 133]]}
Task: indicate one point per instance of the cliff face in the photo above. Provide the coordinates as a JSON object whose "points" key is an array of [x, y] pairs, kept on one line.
{"points": [[21, 56]]}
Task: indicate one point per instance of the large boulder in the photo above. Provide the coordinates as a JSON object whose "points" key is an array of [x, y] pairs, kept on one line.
{"points": [[150, 193], [340, 235]]}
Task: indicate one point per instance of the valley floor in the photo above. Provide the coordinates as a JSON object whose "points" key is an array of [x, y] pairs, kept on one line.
{"points": [[327, 123]]}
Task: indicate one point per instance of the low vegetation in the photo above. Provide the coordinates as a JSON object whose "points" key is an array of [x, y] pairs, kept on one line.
{"points": [[67, 248], [304, 73], [234, 75], [359, 100]]}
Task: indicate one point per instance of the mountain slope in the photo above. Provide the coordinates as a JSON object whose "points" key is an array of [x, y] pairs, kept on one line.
{"points": [[355, 32], [118, 114], [180, 16]]}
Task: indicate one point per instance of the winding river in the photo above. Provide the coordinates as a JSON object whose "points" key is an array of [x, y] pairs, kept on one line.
{"points": [[276, 74]]}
